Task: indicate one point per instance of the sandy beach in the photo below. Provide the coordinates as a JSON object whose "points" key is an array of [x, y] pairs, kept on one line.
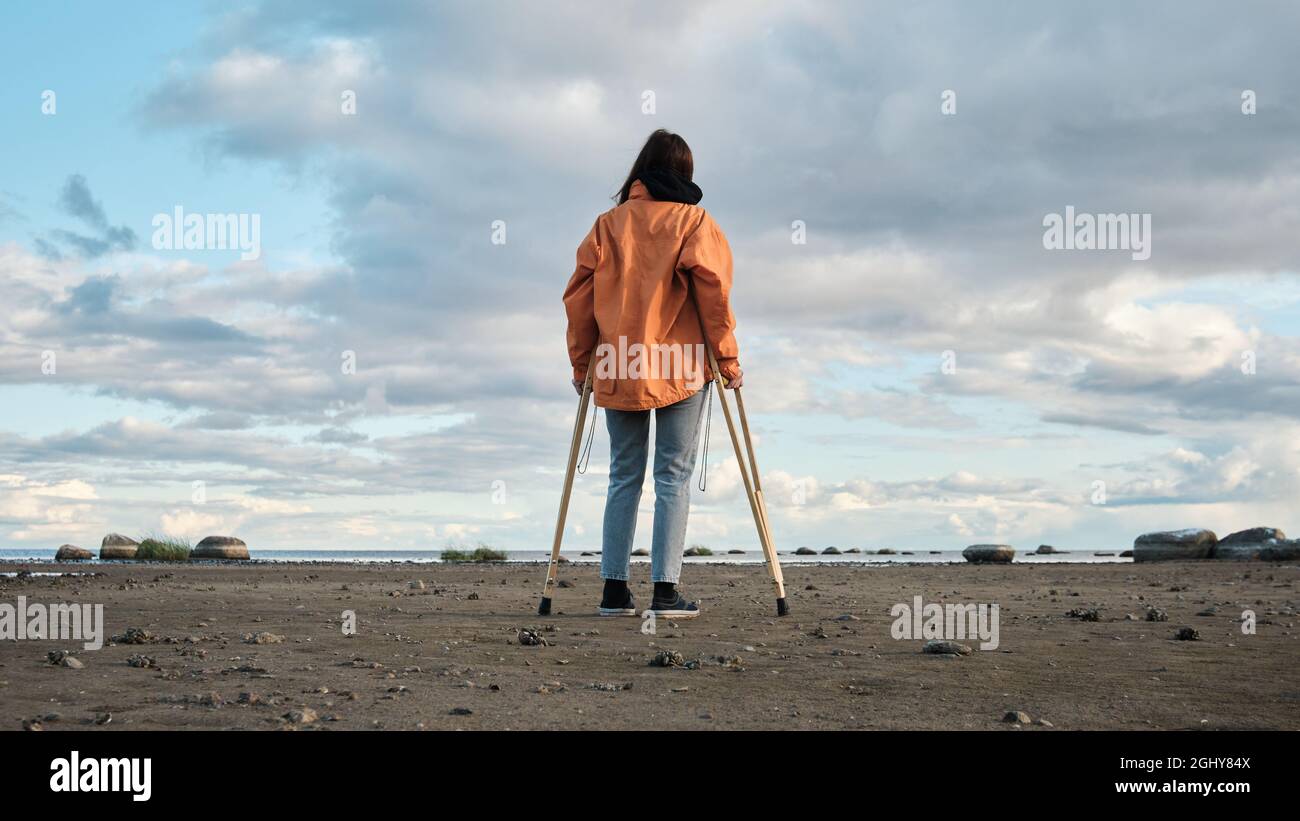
{"points": [[262, 646]]}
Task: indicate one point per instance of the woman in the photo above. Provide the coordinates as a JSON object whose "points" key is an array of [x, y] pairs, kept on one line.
{"points": [[643, 270]]}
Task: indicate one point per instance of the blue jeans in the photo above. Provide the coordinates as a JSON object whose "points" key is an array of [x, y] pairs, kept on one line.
{"points": [[677, 428]]}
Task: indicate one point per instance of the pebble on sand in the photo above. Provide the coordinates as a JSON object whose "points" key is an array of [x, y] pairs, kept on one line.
{"points": [[945, 648], [1016, 717], [62, 658], [305, 715], [531, 637], [668, 658], [262, 638]]}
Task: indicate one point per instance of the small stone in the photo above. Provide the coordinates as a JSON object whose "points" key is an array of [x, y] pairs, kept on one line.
{"points": [[63, 658], [262, 638], [1187, 634], [461, 711], [530, 637], [1042, 722], [133, 635], [668, 658], [945, 648], [304, 715], [1016, 717], [418, 584]]}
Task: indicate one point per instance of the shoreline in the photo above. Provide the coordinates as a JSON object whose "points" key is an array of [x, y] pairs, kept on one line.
{"points": [[438, 647]]}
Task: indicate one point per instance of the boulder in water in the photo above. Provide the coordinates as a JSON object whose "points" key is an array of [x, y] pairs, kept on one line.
{"points": [[989, 553], [1245, 545], [72, 553], [220, 547], [1167, 545], [117, 546]]}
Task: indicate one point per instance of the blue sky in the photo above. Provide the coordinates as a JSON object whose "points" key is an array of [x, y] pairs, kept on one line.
{"points": [[924, 236]]}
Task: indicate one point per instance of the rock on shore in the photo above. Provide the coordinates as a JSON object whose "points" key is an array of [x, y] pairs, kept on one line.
{"points": [[1245, 545], [72, 553], [1166, 545], [220, 547], [1281, 551], [989, 553], [117, 546]]}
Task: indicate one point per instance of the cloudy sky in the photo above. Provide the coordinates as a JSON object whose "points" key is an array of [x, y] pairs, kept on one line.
{"points": [[1089, 396]]}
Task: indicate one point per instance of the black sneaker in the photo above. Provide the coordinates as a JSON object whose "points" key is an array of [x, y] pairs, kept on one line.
{"points": [[626, 607], [679, 608]]}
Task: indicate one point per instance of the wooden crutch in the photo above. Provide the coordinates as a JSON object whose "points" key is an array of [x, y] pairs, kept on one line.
{"points": [[752, 489], [575, 444], [760, 499]]}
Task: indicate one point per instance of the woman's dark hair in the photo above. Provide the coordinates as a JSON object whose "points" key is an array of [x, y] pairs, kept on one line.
{"points": [[663, 149]]}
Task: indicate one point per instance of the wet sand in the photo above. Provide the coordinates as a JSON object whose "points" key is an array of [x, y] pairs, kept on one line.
{"points": [[448, 656]]}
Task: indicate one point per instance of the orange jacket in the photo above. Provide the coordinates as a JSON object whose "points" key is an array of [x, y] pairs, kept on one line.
{"points": [[631, 293]]}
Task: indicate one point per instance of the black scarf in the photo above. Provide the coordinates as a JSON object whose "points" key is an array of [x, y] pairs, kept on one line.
{"points": [[668, 186]]}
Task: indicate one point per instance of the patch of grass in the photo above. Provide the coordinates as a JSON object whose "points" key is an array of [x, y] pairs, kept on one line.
{"points": [[163, 549], [482, 553], [698, 550]]}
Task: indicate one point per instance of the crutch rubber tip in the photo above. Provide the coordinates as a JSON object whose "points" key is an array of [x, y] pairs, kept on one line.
{"points": [[781, 609], [544, 609]]}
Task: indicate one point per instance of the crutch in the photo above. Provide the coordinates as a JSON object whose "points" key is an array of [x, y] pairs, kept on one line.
{"points": [[753, 489], [544, 609]]}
